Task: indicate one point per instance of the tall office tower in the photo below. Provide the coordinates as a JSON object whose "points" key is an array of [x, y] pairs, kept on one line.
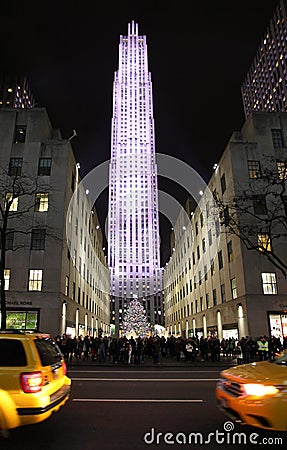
{"points": [[15, 92], [265, 85], [133, 230]]}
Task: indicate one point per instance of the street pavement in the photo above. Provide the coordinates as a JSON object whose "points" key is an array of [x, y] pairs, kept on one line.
{"points": [[148, 362], [116, 407]]}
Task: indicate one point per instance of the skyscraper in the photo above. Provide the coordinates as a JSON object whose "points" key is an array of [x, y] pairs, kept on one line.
{"points": [[265, 85], [133, 229], [15, 92]]}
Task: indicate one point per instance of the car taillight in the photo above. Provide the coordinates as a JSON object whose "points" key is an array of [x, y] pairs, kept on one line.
{"points": [[64, 365], [31, 382]]}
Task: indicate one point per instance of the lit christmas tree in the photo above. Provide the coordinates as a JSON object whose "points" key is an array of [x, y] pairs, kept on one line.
{"points": [[135, 320]]}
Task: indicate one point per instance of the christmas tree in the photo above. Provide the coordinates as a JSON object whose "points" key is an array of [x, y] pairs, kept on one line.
{"points": [[135, 320]]}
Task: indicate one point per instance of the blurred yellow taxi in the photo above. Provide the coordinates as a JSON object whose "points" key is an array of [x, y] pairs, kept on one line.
{"points": [[255, 393], [33, 381]]}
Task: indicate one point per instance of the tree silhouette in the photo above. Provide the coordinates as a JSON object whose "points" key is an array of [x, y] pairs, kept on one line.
{"points": [[257, 213], [17, 200]]}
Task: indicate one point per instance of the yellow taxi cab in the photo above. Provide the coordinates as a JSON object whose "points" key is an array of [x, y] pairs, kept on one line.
{"points": [[255, 393], [33, 380]]}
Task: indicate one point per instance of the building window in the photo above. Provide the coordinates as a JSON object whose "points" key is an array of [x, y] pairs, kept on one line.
{"points": [[9, 239], [35, 279], [259, 205], [277, 138], [38, 239], [233, 288], [230, 251], [203, 245], [269, 283], [67, 286], [201, 219], [223, 184], [222, 292], [42, 202], [209, 237], [217, 227], [254, 169], [207, 301], [214, 297], [220, 260], [264, 242], [212, 267], [44, 167], [20, 134], [282, 170], [226, 217], [201, 304], [7, 273], [12, 201], [15, 166]]}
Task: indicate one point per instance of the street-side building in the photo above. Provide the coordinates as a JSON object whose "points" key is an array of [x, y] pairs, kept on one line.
{"points": [[45, 289], [265, 85], [213, 284]]}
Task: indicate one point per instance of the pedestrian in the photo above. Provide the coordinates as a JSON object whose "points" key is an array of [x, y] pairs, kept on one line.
{"points": [[156, 350]]}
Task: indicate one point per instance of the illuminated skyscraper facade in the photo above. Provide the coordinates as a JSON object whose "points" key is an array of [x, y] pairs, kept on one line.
{"points": [[265, 85], [133, 228], [15, 92]]}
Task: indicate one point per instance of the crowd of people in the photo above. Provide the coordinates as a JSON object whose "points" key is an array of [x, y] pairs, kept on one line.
{"points": [[136, 349]]}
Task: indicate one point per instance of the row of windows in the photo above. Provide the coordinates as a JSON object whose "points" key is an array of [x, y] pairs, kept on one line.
{"points": [[38, 238], [41, 201], [44, 166], [269, 287], [264, 245], [255, 172], [184, 292], [83, 298], [35, 283]]}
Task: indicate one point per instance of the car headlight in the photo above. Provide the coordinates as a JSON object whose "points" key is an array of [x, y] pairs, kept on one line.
{"points": [[259, 390]]}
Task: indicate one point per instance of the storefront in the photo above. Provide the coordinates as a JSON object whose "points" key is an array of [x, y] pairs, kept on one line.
{"points": [[212, 331], [199, 332], [278, 325], [23, 319], [230, 330]]}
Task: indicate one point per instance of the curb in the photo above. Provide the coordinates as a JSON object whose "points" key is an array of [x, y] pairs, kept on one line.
{"points": [[148, 364]]}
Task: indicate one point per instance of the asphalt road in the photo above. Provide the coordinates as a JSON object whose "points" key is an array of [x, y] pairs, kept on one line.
{"points": [[135, 409]]}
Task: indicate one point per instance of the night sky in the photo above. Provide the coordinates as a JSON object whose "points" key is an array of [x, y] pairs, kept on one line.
{"points": [[199, 53]]}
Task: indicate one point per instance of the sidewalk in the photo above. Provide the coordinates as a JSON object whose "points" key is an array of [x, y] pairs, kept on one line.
{"points": [[148, 362]]}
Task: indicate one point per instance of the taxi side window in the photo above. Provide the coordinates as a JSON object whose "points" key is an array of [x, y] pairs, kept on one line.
{"points": [[12, 353]]}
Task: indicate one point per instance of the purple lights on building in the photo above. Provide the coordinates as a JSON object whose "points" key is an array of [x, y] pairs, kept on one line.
{"points": [[133, 227]]}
